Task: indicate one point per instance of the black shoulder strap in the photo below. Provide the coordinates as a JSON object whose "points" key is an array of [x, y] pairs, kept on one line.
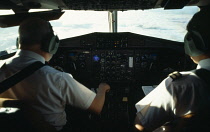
{"points": [[19, 76], [203, 74]]}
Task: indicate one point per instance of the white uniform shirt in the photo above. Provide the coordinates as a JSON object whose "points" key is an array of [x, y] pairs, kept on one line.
{"points": [[172, 99], [47, 90]]}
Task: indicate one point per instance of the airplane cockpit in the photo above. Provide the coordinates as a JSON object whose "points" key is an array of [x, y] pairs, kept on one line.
{"points": [[126, 60]]}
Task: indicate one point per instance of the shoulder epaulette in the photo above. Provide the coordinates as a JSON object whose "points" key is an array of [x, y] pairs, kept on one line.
{"points": [[175, 75], [58, 68]]}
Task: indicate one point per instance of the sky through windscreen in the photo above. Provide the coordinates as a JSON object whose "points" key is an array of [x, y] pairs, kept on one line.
{"points": [[166, 24]]}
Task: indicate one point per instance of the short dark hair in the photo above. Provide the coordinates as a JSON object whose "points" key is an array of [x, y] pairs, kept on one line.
{"points": [[200, 22], [32, 31]]}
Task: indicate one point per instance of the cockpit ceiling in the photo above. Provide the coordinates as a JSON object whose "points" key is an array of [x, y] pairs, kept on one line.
{"points": [[99, 5]]}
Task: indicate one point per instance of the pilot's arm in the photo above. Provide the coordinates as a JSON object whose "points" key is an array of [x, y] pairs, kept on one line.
{"points": [[154, 109], [98, 102], [80, 96], [138, 124]]}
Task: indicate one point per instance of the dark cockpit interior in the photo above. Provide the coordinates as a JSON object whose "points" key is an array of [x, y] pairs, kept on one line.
{"points": [[125, 60]]}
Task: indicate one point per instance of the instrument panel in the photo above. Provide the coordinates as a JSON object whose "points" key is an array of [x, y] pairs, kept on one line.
{"points": [[127, 62], [122, 57]]}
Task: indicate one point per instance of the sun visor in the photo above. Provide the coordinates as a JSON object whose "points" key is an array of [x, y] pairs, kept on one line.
{"points": [[16, 19]]}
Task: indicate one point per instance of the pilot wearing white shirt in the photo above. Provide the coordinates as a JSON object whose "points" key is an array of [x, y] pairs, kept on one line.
{"points": [[47, 90], [181, 94]]}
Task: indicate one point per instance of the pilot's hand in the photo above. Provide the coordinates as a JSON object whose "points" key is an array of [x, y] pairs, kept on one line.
{"points": [[103, 87]]}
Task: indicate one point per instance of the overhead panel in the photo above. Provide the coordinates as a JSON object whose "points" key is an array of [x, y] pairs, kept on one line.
{"points": [[99, 5]]}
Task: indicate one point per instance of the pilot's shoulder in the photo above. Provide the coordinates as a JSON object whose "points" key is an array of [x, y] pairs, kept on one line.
{"points": [[2, 63], [58, 68], [50, 70], [175, 75]]}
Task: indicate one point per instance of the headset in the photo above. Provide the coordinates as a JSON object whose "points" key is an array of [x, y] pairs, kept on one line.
{"points": [[50, 42], [194, 44], [197, 39]]}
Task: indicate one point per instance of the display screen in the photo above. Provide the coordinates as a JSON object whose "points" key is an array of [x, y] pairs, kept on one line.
{"points": [[71, 54], [96, 58]]}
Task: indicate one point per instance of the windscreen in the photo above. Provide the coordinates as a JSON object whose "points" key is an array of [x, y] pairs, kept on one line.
{"points": [[160, 23], [165, 24]]}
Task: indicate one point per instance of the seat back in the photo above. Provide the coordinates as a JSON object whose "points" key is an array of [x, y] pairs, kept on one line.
{"points": [[15, 115]]}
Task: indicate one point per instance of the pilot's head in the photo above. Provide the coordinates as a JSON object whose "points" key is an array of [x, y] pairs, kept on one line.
{"points": [[37, 35], [197, 39]]}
